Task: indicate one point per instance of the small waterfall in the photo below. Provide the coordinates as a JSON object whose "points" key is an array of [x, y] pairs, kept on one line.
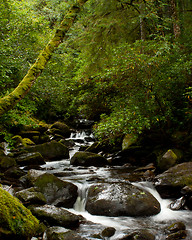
{"points": [[79, 205]]}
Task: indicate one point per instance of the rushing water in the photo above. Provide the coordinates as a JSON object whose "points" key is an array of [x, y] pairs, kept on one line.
{"points": [[83, 177]]}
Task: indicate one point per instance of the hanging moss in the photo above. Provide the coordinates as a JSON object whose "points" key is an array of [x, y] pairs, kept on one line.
{"points": [[15, 219], [9, 101]]}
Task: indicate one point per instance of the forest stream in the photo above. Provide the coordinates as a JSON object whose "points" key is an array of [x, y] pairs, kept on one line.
{"points": [[84, 177]]}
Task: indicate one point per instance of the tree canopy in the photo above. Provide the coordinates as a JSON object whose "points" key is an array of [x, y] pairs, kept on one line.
{"points": [[123, 63]]}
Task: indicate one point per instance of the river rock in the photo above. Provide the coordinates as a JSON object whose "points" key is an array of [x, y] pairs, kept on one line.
{"points": [[6, 163], [16, 221], [108, 232], [169, 159], [135, 155], [88, 159], [50, 151], [170, 182], [56, 216], [175, 227], [56, 191], [139, 235], [120, 199], [60, 233], [61, 129], [182, 234], [34, 158], [31, 196]]}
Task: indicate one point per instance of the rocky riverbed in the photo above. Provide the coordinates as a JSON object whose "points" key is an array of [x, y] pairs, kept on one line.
{"points": [[81, 189]]}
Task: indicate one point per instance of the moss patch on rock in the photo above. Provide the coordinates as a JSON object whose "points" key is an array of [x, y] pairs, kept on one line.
{"points": [[16, 219]]}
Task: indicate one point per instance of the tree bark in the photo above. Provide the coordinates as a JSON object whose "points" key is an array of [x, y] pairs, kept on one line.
{"points": [[8, 102], [176, 26]]}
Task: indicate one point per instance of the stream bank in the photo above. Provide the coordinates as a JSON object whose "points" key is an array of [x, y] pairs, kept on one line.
{"points": [[144, 176]]}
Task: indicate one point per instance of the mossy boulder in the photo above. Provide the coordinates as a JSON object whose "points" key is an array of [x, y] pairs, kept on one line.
{"points": [[22, 142], [16, 221], [88, 159], [6, 163], [170, 182], [26, 159], [61, 129], [168, 159], [56, 216], [56, 191], [120, 199], [60, 233], [50, 151]]}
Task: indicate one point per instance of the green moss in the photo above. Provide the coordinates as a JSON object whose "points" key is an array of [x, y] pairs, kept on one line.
{"points": [[15, 218]]}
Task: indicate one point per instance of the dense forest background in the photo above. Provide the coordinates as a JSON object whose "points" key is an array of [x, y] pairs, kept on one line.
{"points": [[126, 64]]}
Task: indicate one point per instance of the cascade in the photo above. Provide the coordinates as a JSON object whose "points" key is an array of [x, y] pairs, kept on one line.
{"points": [[83, 177]]}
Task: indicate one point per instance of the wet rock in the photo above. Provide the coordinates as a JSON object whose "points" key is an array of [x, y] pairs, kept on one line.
{"points": [[108, 232], [175, 227], [177, 235], [170, 182], [55, 216], [61, 129], [50, 151], [176, 231], [56, 191], [187, 192], [139, 235], [134, 155], [59, 233], [120, 199], [178, 203], [34, 158], [16, 221], [88, 159], [31, 196]]}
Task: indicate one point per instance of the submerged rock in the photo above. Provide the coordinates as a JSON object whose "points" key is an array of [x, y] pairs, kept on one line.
{"points": [[120, 199], [88, 159], [56, 216]]}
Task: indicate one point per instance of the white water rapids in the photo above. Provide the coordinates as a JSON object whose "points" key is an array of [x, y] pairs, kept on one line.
{"points": [[83, 177]]}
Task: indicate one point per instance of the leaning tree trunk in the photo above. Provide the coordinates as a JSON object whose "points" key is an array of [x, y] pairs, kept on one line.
{"points": [[8, 102], [176, 27]]}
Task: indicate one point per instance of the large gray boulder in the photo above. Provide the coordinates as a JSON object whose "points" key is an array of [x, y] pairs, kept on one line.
{"points": [[88, 159], [170, 182], [56, 216], [50, 151], [120, 199], [56, 191]]}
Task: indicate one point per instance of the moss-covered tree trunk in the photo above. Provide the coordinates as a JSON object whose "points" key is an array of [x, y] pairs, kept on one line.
{"points": [[9, 101]]}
